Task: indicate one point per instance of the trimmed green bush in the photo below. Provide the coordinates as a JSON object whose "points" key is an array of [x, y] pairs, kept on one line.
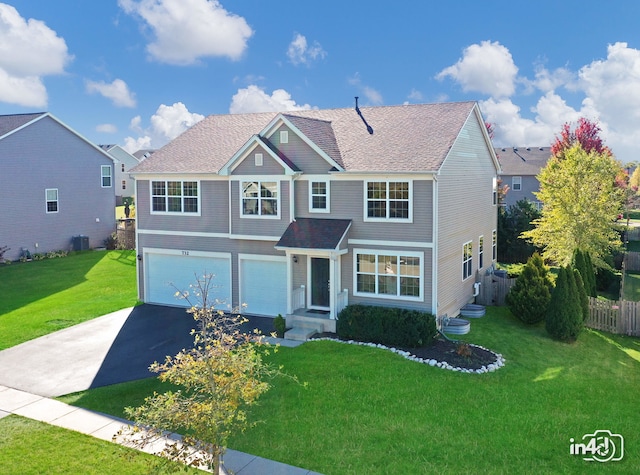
{"points": [[280, 324], [529, 298], [394, 327]]}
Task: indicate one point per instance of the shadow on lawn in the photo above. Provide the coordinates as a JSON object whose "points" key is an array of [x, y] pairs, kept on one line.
{"points": [[27, 282], [632, 349]]}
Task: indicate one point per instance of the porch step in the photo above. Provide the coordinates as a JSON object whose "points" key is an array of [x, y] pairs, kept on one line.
{"points": [[300, 333]]}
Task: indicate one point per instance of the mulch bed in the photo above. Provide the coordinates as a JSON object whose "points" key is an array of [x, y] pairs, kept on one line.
{"points": [[442, 350]]}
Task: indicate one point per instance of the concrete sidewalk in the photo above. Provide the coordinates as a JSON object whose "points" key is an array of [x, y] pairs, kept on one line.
{"points": [[102, 426]]}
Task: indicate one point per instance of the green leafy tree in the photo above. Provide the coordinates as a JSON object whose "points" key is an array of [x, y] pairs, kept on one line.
{"points": [[512, 222], [581, 203], [218, 380], [564, 315], [529, 298]]}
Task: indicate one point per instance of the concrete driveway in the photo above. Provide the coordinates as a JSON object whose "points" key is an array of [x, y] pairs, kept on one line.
{"points": [[110, 349]]}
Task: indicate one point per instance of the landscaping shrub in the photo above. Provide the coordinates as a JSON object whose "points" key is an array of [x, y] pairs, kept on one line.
{"points": [[583, 264], [582, 295], [564, 315], [529, 298], [395, 327], [280, 324]]}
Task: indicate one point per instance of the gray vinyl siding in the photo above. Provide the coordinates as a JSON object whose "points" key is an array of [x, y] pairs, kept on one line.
{"points": [[465, 212], [48, 155], [347, 202], [270, 166], [214, 209], [530, 184], [297, 150]]}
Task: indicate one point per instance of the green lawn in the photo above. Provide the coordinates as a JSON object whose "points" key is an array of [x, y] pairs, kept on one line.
{"points": [[31, 447], [367, 410], [39, 297]]}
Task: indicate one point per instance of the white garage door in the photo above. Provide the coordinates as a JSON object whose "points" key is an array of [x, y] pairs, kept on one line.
{"points": [[263, 285], [167, 271]]}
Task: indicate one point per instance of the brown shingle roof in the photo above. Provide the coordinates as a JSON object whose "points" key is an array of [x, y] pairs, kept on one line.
{"points": [[407, 138]]}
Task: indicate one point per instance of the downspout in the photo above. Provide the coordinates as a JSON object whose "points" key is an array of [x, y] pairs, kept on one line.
{"points": [[434, 252]]}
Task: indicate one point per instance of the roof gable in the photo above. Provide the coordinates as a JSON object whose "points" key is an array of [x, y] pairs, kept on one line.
{"points": [[252, 144]]}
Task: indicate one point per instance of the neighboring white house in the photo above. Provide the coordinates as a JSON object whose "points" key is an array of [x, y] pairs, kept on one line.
{"points": [[124, 162], [305, 212]]}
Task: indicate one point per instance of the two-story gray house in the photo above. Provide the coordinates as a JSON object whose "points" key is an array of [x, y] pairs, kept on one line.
{"points": [[302, 213], [123, 163], [520, 169], [55, 186]]}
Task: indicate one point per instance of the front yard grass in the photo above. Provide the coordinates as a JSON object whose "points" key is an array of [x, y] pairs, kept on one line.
{"points": [[367, 410], [39, 297]]}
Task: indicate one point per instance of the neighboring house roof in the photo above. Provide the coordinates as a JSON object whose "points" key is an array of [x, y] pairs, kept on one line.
{"points": [[9, 123], [406, 138], [314, 233], [143, 153], [522, 161]]}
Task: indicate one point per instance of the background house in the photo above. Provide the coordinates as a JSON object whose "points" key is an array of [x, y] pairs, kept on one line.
{"points": [[123, 162], [301, 213], [520, 168], [55, 185]]}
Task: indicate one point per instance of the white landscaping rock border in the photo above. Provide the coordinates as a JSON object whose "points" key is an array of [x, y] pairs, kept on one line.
{"points": [[500, 361]]}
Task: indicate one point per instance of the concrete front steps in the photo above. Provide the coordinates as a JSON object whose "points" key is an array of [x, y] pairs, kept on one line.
{"points": [[301, 328]]}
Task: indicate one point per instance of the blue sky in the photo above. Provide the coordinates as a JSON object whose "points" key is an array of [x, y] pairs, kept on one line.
{"points": [[139, 72]]}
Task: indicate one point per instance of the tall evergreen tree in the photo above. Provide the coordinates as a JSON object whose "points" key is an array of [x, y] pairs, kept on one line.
{"points": [[582, 295], [529, 298], [590, 281], [564, 315]]}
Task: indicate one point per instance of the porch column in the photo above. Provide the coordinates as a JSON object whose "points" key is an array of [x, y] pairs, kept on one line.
{"points": [[334, 285], [289, 282]]}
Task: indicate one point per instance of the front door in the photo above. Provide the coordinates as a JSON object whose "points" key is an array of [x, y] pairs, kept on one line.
{"points": [[319, 282]]}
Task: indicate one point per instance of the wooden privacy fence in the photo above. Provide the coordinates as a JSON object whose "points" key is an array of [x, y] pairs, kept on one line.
{"points": [[631, 262], [614, 316]]}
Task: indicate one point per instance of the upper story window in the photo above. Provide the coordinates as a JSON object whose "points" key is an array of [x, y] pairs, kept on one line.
{"points": [[105, 173], [284, 136], [51, 199], [495, 191], [388, 200], [319, 197], [467, 260], [480, 252], [174, 197], [260, 199], [516, 183], [494, 244]]}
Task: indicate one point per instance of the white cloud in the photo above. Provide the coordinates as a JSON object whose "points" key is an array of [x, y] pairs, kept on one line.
{"points": [[106, 128], [487, 68], [299, 52], [166, 124], [186, 30], [29, 50], [117, 91], [255, 99], [373, 96]]}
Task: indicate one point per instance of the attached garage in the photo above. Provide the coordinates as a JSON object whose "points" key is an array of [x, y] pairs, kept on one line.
{"points": [[167, 271], [263, 284]]}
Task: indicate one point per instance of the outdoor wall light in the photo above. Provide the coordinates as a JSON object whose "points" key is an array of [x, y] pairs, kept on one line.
{"points": [[295, 259], [139, 257]]}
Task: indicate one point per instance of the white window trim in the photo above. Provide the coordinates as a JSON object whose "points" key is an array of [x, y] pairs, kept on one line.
{"points": [[259, 159], [480, 252], [175, 213], [516, 180], [328, 196], [284, 136], [494, 195], [365, 213], [47, 200], [466, 261], [378, 252], [103, 176], [260, 216]]}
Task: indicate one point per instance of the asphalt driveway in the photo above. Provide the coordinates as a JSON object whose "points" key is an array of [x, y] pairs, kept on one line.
{"points": [[110, 349]]}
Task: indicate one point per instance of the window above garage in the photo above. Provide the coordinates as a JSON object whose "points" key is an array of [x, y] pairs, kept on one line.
{"points": [[175, 197]]}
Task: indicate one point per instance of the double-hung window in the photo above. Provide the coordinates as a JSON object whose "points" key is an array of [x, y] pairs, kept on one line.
{"points": [[319, 197], [494, 244], [174, 197], [516, 183], [105, 175], [388, 200], [388, 274], [260, 198], [480, 252], [467, 260], [51, 199]]}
